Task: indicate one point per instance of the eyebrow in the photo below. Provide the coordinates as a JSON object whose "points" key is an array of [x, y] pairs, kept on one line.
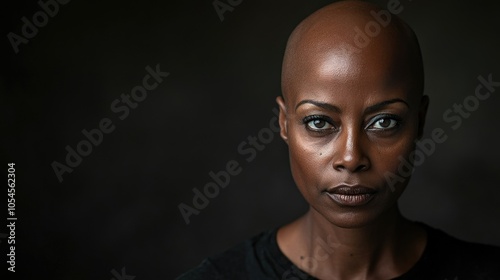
{"points": [[336, 109], [378, 106], [323, 105]]}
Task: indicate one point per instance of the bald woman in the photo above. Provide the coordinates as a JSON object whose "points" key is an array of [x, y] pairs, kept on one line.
{"points": [[351, 110]]}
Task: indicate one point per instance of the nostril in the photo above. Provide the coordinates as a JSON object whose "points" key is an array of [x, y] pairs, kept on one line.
{"points": [[339, 167], [359, 168]]}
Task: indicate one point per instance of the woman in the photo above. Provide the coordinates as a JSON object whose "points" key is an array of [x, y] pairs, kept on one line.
{"points": [[351, 111]]}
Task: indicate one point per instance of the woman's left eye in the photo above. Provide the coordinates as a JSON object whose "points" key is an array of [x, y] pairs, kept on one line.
{"points": [[384, 123]]}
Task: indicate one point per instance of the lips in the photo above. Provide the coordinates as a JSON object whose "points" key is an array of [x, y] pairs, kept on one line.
{"points": [[356, 195]]}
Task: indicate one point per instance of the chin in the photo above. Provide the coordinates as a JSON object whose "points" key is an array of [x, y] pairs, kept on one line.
{"points": [[357, 217], [352, 219]]}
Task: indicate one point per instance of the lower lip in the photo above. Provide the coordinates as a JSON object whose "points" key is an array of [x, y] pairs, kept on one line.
{"points": [[351, 200]]}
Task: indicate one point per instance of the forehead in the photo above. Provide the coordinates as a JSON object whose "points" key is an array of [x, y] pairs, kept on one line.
{"points": [[332, 74], [325, 58]]}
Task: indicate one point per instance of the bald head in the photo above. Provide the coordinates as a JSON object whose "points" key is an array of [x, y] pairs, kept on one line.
{"points": [[352, 41]]}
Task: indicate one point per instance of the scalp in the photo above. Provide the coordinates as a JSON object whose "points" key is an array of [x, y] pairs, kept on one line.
{"points": [[333, 30]]}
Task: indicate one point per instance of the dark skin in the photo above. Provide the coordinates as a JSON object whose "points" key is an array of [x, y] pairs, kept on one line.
{"points": [[347, 118]]}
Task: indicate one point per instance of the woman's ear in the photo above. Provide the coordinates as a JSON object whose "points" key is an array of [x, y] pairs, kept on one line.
{"points": [[282, 119], [422, 112]]}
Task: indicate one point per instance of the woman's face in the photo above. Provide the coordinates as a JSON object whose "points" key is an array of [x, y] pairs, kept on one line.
{"points": [[348, 122]]}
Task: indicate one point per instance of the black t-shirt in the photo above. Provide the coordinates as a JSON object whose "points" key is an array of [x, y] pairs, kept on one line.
{"points": [[444, 258]]}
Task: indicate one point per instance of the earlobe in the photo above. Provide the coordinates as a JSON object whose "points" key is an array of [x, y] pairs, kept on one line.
{"points": [[282, 119], [424, 104]]}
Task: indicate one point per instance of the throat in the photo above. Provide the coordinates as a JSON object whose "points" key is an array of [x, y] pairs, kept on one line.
{"points": [[381, 250]]}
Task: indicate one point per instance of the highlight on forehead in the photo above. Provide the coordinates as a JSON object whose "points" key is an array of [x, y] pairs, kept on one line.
{"points": [[336, 30]]}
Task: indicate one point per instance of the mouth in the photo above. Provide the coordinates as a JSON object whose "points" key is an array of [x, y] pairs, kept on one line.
{"points": [[356, 195]]}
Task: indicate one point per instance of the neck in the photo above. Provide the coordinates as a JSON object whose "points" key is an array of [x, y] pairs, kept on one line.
{"points": [[384, 248]]}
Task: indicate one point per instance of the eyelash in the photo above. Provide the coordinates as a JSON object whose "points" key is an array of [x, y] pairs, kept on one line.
{"points": [[329, 121], [391, 117], [311, 118]]}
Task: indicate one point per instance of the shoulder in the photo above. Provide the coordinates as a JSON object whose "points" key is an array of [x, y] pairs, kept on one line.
{"points": [[478, 261], [461, 259], [240, 262]]}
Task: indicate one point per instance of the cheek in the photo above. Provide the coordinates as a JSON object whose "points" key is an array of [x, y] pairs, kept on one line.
{"points": [[393, 157], [389, 158], [308, 162]]}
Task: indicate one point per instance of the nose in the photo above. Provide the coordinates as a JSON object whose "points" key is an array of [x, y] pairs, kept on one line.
{"points": [[350, 152]]}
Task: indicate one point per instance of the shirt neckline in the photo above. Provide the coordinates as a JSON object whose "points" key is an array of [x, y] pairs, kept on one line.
{"points": [[289, 267]]}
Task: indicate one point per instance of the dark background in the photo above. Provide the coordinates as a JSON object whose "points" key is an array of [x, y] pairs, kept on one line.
{"points": [[119, 207]]}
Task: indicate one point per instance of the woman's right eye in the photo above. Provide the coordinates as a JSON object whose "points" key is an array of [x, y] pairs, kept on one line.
{"points": [[318, 123]]}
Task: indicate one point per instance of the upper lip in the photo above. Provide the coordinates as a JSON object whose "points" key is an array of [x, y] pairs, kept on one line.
{"points": [[351, 190]]}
